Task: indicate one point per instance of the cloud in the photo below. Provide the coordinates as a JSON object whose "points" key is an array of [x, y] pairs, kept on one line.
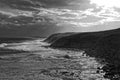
{"points": [[22, 4], [34, 4], [62, 17], [58, 12], [23, 18], [89, 17], [9, 14], [27, 12]]}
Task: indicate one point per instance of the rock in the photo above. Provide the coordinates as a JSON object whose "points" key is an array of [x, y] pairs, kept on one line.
{"points": [[67, 56]]}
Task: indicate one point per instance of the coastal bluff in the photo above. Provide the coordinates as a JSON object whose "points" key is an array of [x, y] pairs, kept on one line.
{"points": [[102, 44]]}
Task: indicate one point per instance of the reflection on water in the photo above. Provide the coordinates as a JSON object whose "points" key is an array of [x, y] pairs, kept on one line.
{"points": [[47, 64]]}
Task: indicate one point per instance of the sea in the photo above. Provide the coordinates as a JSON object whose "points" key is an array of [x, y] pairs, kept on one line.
{"points": [[35, 60]]}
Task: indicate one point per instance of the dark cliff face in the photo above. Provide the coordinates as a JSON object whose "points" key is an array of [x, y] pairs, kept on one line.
{"points": [[76, 41], [108, 47], [105, 44], [82, 40], [57, 36]]}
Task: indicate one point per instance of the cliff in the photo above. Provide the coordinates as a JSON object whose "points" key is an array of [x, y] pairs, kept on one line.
{"points": [[57, 36], [104, 44]]}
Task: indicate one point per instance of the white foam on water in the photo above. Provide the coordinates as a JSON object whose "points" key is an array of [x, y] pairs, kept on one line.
{"points": [[3, 45], [88, 64]]}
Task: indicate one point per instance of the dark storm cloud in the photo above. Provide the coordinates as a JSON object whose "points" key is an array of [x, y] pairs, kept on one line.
{"points": [[22, 4], [52, 3], [32, 4], [47, 10], [59, 12], [19, 20], [71, 4]]}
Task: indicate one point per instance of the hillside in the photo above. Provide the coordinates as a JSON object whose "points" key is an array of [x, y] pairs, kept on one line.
{"points": [[79, 40], [107, 43], [104, 44], [57, 36]]}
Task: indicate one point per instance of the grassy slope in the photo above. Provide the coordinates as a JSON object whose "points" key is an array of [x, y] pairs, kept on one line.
{"points": [[57, 36], [105, 44]]}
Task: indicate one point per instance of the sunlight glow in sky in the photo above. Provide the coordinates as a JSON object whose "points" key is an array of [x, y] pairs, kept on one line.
{"points": [[107, 3]]}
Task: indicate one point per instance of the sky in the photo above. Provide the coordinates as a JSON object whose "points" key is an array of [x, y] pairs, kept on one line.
{"points": [[39, 18]]}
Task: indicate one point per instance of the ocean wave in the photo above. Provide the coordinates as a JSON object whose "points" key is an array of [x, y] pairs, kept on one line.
{"points": [[3, 44]]}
